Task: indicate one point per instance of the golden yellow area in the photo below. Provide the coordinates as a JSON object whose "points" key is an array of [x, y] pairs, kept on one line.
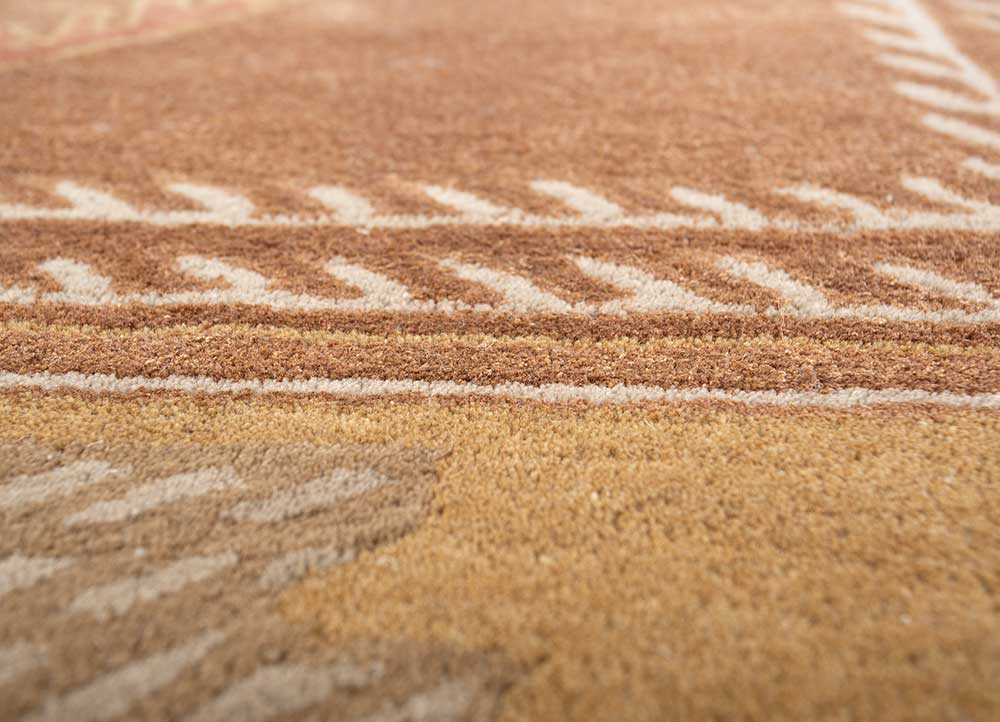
{"points": [[676, 562]]}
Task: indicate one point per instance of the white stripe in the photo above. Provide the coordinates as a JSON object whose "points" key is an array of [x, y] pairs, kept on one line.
{"points": [[348, 207], [270, 692], [620, 394], [933, 190], [448, 702], [223, 206], [896, 41], [62, 481], [329, 490], [519, 294], [20, 572], [872, 15], [802, 298], [113, 600], [90, 203], [947, 100], [16, 294], [978, 165], [919, 66], [930, 281], [380, 293], [649, 293], [80, 284], [806, 301], [156, 494], [733, 215], [967, 132], [241, 280], [19, 658], [465, 203], [865, 214], [114, 694], [245, 286], [584, 202], [297, 564]]}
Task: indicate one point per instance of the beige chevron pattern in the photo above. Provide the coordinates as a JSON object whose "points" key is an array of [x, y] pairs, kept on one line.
{"points": [[82, 285], [84, 562]]}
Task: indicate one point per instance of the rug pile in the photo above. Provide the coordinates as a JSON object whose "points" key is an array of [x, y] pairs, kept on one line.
{"points": [[379, 361]]}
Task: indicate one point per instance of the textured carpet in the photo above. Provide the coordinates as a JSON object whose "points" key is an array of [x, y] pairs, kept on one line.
{"points": [[382, 361]]}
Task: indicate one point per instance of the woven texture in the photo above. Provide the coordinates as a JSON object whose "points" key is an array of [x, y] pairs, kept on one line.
{"points": [[391, 361]]}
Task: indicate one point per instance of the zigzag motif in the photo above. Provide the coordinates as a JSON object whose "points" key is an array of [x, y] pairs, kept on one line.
{"points": [[916, 44], [287, 686], [589, 209], [643, 293]]}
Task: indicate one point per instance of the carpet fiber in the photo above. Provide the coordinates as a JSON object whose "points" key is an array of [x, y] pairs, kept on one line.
{"points": [[380, 361]]}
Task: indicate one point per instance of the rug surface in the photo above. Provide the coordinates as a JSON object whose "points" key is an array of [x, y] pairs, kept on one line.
{"points": [[382, 361]]}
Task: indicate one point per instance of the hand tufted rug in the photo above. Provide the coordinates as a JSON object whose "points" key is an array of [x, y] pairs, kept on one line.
{"points": [[379, 361]]}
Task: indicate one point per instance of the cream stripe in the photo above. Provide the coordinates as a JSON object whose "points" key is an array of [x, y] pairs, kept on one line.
{"points": [[933, 190], [947, 100], [936, 283], [865, 214], [80, 283], [19, 658], [920, 66], [620, 394], [156, 494], [448, 702], [465, 203], [336, 486], [295, 565], [63, 480], [380, 292], [803, 298], [733, 215], [808, 302], [872, 15], [114, 694], [519, 294], [584, 202], [648, 293], [348, 207], [90, 203], [896, 41], [975, 134], [20, 572], [269, 692], [17, 294], [221, 204], [978, 165], [113, 600]]}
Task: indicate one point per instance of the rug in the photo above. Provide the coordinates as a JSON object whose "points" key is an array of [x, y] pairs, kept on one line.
{"points": [[380, 361]]}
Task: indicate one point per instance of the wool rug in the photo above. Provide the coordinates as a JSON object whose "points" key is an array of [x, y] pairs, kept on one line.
{"points": [[380, 361]]}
